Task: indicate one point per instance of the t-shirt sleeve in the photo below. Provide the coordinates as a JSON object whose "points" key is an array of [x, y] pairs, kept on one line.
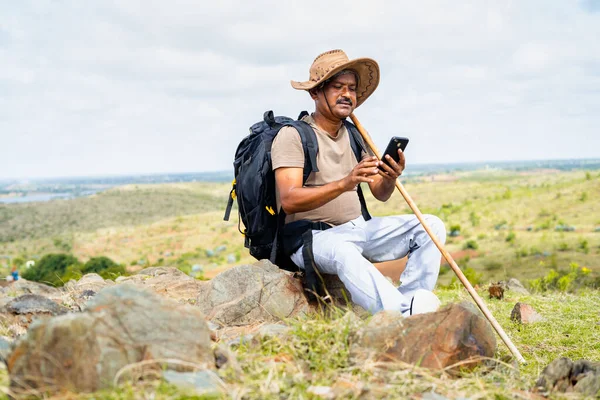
{"points": [[286, 150]]}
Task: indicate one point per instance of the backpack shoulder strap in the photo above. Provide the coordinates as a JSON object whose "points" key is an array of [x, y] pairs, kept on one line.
{"points": [[358, 147], [356, 141], [310, 146]]}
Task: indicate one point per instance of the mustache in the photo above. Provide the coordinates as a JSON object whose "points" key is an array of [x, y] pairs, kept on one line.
{"points": [[343, 100]]}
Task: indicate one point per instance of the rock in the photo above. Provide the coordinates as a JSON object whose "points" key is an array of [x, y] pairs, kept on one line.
{"points": [[339, 294], [91, 281], [456, 333], [34, 304], [204, 383], [564, 375], [496, 291], [525, 314], [23, 286], [5, 349], [123, 325], [516, 286], [323, 392], [272, 330], [77, 293], [167, 281], [197, 268], [250, 294], [224, 357]]}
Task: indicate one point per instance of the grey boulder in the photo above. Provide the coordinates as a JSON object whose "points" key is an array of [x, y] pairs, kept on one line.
{"points": [[250, 294], [122, 325]]}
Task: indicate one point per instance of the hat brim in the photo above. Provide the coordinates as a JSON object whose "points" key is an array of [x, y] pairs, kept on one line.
{"points": [[368, 78]]}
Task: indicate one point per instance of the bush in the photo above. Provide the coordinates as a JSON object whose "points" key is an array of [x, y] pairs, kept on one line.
{"points": [[474, 218], [493, 266], [566, 281], [51, 269], [471, 244], [103, 266], [510, 238], [454, 230]]}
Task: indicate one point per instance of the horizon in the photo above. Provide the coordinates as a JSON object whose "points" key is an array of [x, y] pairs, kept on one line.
{"points": [[227, 171]]}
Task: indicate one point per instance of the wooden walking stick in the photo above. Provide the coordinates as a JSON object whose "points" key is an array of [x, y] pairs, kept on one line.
{"points": [[445, 253]]}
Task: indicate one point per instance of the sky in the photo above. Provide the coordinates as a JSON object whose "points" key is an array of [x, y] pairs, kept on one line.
{"points": [[133, 87]]}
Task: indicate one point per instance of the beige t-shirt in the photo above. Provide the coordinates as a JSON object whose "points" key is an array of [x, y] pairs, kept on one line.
{"points": [[335, 160]]}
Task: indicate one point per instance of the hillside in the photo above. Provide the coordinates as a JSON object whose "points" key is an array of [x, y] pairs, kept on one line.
{"points": [[509, 223]]}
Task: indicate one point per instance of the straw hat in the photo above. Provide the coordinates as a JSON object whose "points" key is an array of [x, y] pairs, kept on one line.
{"points": [[331, 62]]}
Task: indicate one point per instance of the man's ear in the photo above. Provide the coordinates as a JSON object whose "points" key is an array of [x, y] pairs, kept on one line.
{"points": [[314, 93]]}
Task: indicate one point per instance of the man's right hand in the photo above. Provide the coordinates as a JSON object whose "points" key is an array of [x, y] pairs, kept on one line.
{"points": [[362, 172]]}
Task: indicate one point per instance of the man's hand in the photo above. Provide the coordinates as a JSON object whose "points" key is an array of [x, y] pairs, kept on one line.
{"points": [[394, 170], [363, 172]]}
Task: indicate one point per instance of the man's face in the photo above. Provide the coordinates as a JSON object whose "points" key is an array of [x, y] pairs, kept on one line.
{"points": [[341, 97]]}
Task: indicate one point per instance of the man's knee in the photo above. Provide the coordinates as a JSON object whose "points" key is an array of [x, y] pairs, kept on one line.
{"points": [[437, 226], [344, 255]]}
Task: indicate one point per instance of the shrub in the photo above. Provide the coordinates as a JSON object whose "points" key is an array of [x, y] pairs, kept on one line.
{"points": [[474, 218], [471, 244], [584, 246], [493, 266], [563, 246], [51, 269], [510, 238], [103, 266], [566, 281], [454, 230]]}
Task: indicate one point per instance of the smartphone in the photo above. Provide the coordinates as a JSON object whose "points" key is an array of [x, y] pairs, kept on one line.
{"points": [[392, 149]]}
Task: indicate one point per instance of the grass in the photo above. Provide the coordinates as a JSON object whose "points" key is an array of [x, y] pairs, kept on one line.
{"points": [[316, 353]]}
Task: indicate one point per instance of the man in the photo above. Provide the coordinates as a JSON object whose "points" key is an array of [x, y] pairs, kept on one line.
{"points": [[339, 85]]}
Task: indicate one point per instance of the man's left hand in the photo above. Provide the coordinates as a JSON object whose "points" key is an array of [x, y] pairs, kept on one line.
{"points": [[392, 171]]}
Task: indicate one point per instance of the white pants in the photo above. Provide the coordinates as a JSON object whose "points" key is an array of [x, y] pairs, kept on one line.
{"points": [[348, 251]]}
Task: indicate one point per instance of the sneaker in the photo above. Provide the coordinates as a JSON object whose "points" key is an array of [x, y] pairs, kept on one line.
{"points": [[423, 302]]}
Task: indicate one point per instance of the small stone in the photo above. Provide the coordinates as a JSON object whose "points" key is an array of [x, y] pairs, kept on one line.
{"points": [[516, 286], [204, 383], [324, 392], [525, 314], [197, 268]]}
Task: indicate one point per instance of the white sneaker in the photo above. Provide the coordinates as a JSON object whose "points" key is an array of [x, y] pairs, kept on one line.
{"points": [[423, 302]]}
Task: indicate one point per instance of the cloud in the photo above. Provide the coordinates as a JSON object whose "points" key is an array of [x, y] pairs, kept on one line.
{"points": [[121, 87]]}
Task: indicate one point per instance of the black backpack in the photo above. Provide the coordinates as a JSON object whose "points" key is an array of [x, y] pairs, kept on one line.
{"points": [[254, 186]]}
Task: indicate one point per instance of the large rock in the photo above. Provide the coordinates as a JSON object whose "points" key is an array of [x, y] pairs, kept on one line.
{"points": [[92, 281], [250, 294], [33, 304], [123, 325], [456, 333], [564, 375], [23, 286], [166, 281], [77, 293]]}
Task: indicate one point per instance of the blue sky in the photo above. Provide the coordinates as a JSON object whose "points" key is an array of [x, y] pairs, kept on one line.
{"points": [[119, 87]]}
